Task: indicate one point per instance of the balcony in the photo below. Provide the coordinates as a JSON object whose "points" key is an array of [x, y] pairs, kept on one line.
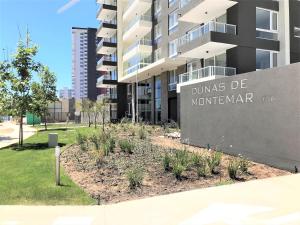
{"points": [[143, 47], [106, 47], [204, 74], [207, 40], [107, 64], [107, 10], [202, 11], [107, 96], [107, 29], [148, 68], [137, 28], [136, 7], [106, 81]]}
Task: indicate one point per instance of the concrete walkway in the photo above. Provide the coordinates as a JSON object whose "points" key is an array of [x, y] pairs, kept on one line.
{"points": [[9, 133], [274, 201]]}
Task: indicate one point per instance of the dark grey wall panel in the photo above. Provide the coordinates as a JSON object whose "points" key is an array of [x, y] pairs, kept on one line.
{"points": [[262, 124]]}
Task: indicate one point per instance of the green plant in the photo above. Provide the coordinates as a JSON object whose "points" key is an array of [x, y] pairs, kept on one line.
{"points": [[167, 162], [126, 146], [178, 169], [112, 144], [203, 170], [214, 161], [182, 156], [135, 177], [233, 168], [96, 140], [142, 133], [82, 141], [244, 164]]}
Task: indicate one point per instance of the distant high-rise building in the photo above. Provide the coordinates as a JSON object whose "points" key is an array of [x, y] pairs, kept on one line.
{"points": [[65, 93], [84, 76]]}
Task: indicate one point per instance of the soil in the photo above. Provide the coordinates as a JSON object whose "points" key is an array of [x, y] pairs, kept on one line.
{"points": [[107, 182]]}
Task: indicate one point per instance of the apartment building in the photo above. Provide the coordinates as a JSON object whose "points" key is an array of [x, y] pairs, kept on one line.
{"points": [[65, 93], [84, 74], [110, 89], [165, 44]]}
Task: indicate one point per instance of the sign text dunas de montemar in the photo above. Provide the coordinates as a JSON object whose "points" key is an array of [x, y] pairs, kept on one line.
{"points": [[212, 93]]}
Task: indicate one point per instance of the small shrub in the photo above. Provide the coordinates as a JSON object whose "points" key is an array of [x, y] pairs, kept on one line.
{"points": [[167, 162], [95, 139], [182, 156], [142, 133], [126, 146], [243, 164], [203, 170], [111, 144], [178, 169], [135, 177], [82, 141], [214, 161], [233, 168]]}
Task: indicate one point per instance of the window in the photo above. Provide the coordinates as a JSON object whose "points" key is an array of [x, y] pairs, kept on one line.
{"points": [[157, 8], [171, 3], [157, 32], [172, 80], [266, 24], [172, 48], [218, 60], [297, 32], [157, 54], [157, 95], [265, 59], [173, 21]]}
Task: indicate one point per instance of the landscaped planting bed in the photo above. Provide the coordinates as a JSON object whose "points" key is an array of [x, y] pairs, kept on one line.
{"points": [[129, 162]]}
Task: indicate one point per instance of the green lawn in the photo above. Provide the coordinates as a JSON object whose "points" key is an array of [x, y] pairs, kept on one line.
{"points": [[27, 176]]}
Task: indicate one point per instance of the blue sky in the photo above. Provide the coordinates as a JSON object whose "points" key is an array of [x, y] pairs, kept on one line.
{"points": [[49, 23]]}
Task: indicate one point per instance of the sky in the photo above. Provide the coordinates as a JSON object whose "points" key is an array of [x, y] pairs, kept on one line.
{"points": [[49, 23]]}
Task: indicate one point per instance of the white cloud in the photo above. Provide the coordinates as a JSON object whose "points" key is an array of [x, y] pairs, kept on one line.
{"points": [[67, 6]]}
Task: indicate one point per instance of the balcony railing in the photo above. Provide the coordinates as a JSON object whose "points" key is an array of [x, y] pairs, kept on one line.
{"points": [[107, 96], [135, 68], [137, 19], [210, 26], [140, 42], [106, 58], [207, 72], [108, 2], [172, 86], [106, 77], [183, 3]]}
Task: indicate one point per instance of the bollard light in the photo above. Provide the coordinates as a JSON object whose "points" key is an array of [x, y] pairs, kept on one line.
{"points": [[57, 165]]}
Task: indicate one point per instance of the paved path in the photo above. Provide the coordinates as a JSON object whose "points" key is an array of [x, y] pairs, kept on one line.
{"points": [[274, 201], [9, 133]]}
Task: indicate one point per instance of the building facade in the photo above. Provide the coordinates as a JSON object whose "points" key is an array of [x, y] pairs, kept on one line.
{"points": [[107, 65], [65, 93], [165, 44], [84, 74]]}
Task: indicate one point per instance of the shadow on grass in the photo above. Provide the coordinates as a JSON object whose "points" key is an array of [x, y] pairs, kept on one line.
{"points": [[55, 129], [33, 146]]}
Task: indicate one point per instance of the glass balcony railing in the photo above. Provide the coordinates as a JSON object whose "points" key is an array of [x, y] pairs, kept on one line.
{"points": [[207, 72], [183, 3], [140, 42], [172, 86], [107, 96], [106, 58], [204, 29], [106, 77], [136, 20]]}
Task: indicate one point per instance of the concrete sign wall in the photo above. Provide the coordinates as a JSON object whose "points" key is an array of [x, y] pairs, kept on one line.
{"points": [[254, 114]]}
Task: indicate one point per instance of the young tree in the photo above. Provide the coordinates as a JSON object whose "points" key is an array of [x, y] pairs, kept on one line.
{"points": [[43, 93], [104, 111], [97, 107], [16, 77], [87, 107]]}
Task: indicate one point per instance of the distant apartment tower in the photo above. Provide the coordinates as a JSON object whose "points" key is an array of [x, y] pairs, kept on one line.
{"points": [[65, 93], [84, 74]]}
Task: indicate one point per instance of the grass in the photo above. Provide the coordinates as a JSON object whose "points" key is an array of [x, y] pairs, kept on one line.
{"points": [[27, 175]]}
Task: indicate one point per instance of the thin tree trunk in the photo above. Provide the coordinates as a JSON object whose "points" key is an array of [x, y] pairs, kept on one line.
{"points": [[103, 121], [45, 123], [21, 131], [95, 120]]}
